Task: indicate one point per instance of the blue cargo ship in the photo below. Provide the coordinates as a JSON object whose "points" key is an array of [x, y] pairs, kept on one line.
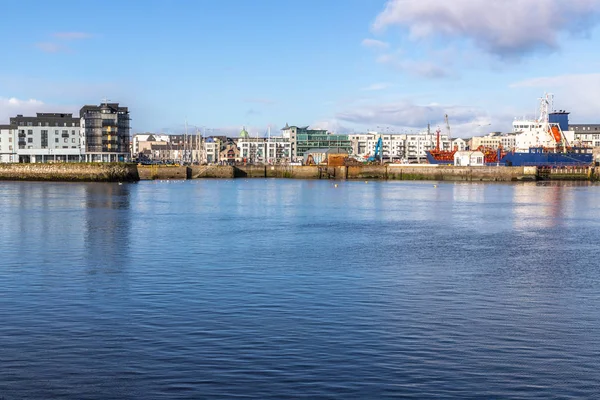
{"points": [[540, 156]]}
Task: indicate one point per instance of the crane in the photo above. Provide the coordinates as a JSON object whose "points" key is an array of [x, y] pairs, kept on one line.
{"points": [[378, 151], [448, 126]]}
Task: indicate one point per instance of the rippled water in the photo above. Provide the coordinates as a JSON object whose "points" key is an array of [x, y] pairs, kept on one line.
{"points": [[284, 288]]}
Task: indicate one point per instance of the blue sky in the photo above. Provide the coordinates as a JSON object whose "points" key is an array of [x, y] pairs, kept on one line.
{"points": [[345, 65]]}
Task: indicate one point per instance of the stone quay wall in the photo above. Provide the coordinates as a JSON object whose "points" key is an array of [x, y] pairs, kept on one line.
{"points": [[70, 172]]}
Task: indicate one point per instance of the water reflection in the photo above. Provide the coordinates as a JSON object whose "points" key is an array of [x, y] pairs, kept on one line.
{"points": [[107, 226], [542, 206]]}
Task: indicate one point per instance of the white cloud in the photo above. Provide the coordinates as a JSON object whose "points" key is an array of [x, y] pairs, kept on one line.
{"points": [[332, 125], [376, 87], [405, 114], [507, 27], [577, 93], [10, 107], [375, 44]]}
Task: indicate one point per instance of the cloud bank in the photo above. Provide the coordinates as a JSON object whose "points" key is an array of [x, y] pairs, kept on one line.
{"points": [[507, 28]]}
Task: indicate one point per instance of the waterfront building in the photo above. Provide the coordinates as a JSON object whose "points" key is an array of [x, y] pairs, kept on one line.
{"points": [[48, 137], [418, 144], [105, 132], [139, 138], [508, 141], [397, 147], [492, 141], [212, 146], [269, 150], [459, 144], [467, 158], [229, 152], [303, 139], [587, 135], [8, 138], [364, 145]]}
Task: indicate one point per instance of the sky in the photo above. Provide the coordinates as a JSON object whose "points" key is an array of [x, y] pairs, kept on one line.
{"points": [[342, 65]]}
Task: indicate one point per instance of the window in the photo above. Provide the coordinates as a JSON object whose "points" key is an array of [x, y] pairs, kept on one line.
{"points": [[66, 140], [65, 124], [10, 140], [30, 131], [30, 140], [55, 140], [56, 132], [72, 140], [29, 123], [73, 132]]}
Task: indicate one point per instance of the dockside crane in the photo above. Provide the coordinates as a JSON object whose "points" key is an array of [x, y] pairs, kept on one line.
{"points": [[378, 151]]}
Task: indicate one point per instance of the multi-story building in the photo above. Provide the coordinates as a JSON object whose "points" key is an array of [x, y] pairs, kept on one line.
{"points": [[8, 135], [364, 145], [459, 144], [48, 137], [397, 147], [508, 141], [271, 150], [585, 134], [491, 140], [106, 132], [212, 147], [418, 144], [139, 138], [303, 139]]}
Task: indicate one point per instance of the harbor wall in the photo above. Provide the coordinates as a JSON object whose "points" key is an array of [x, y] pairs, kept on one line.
{"points": [[212, 171], [150, 172], [363, 172], [250, 171], [452, 173], [70, 172], [293, 171]]}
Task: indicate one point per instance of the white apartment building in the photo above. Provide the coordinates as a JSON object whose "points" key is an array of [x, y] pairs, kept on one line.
{"points": [[212, 148], [584, 135], [272, 150], [397, 147], [8, 140], [48, 137]]}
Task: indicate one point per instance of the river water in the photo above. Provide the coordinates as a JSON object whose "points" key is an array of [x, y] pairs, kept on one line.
{"points": [[286, 288]]}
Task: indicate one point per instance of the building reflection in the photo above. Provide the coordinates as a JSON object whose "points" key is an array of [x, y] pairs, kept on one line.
{"points": [[542, 205], [107, 226]]}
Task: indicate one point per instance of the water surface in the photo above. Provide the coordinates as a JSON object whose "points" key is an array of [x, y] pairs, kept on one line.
{"points": [[285, 288]]}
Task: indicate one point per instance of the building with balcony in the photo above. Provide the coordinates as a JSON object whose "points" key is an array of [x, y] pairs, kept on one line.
{"points": [[47, 137], [105, 133], [270, 150]]}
